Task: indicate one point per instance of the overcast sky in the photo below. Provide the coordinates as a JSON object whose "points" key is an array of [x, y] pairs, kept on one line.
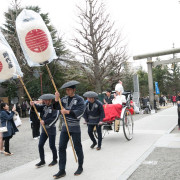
{"points": [[148, 25]]}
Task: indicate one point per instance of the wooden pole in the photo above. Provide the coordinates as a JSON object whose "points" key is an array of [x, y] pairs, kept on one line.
{"points": [[33, 104], [50, 75]]}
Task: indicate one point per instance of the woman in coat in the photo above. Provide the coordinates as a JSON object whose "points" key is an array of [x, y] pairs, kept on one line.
{"points": [[7, 121]]}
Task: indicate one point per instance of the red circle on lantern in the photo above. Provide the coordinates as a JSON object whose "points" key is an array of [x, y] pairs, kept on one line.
{"points": [[1, 66], [37, 40]]}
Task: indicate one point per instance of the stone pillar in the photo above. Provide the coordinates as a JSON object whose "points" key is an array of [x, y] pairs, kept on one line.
{"points": [[150, 82]]}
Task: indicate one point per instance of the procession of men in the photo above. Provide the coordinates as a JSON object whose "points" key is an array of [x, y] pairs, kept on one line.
{"points": [[73, 107]]}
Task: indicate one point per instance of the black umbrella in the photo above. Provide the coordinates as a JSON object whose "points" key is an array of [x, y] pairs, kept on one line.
{"points": [[47, 96], [69, 84], [90, 94]]}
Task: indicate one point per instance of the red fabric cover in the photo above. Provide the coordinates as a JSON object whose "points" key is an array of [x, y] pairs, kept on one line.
{"points": [[112, 111], [131, 110]]}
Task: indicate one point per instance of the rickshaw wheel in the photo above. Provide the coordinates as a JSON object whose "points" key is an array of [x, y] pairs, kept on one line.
{"points": [[128, 125]]}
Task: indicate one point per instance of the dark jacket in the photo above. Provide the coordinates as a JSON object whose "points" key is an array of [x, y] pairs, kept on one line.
{"points": [[33, 116], [7, 120], [76, 106], [94, 112], [49, 116], [178, 98], [109, 99]]}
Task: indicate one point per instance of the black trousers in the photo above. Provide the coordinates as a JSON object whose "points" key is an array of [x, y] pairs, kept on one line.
{"points": [[35, 126], [64, 138], [6, 143], [91, 135], [52, 146], [178, 114], [23, 113]]}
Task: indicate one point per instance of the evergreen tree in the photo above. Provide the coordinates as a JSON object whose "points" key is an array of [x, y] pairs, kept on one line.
{"points": [[33, 83], [143, 82], [160, 75]]}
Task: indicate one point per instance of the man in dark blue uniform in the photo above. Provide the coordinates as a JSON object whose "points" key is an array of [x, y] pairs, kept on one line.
{"points": [[49, 117], [73, 110], [94, 115]]}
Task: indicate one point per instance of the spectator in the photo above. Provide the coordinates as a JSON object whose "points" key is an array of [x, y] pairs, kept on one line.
{"points": [[162, 101], [18, 109], [27, 106], [1, 142], [156, 101], [174, 100], [165, 100], [7, 120], [35, 124], [178, 106], [24, 108]]}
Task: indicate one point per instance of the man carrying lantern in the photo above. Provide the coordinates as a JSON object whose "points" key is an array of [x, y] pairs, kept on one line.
{"points": [[49, 118], [73, 109]]}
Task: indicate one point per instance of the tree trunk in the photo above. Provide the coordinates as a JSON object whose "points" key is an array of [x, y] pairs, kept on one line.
{"points": [[98, 86], [20, 92]]}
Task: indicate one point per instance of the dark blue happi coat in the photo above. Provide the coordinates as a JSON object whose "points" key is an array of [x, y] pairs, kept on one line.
{"points": [[94, 112], [49, 115], [76, 106]]}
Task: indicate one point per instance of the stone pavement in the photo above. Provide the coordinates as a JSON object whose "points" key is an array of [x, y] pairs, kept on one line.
{"points": [[161, 161], [117, 158]]}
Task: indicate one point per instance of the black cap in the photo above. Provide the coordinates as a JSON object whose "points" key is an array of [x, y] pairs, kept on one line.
{"points": [[108, 90], [70, 84], [47, 96], [90, 94]]}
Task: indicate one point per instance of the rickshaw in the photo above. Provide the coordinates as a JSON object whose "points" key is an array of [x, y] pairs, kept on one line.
{"points": [[122, 117]]}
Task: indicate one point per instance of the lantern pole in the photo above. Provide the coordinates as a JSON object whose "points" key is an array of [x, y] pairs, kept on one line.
{"points": [[52, 80], [33, 104]]}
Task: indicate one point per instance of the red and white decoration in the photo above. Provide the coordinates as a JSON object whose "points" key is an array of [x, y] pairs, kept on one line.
{"points": [[34, 37], [9, 67]]}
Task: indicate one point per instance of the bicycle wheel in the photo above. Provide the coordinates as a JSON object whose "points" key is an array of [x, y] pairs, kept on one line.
{"points": [[103, 132], [128, 125]]}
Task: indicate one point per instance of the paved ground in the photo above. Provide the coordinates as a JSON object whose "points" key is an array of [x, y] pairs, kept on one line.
{"points": [[25, 148], [163, 162], [125, 154]]}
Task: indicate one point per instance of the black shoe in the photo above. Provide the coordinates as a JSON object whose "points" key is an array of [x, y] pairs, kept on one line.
{"points": [[79, 171], [53, 163], [60, 174], [98, 148], [93, 145], [40, 164]]}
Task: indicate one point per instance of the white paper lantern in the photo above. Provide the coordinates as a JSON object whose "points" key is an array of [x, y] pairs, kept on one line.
{"points": [[34, 38], [7, 66]]}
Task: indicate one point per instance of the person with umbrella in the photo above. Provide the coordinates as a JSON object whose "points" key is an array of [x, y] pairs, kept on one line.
{"points": [[73, 109], [94, 115], [49, 117]]}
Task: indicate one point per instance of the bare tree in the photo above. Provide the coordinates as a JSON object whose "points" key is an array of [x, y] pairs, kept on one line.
{"points": [[99, 44]]}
